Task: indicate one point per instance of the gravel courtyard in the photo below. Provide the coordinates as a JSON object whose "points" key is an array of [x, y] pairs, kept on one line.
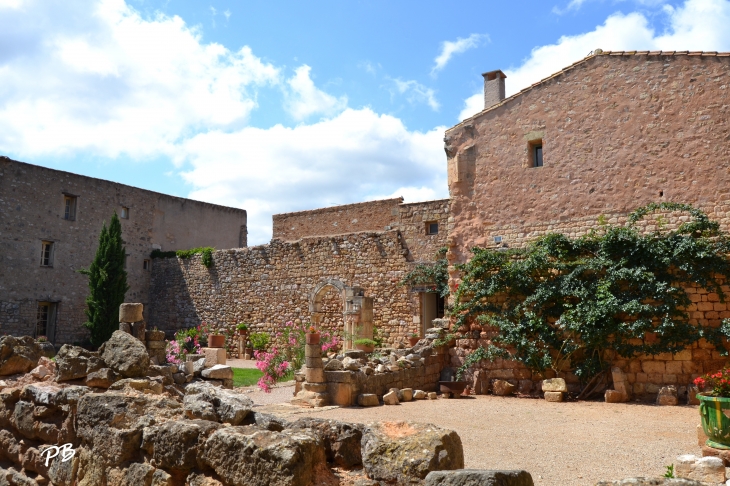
{"points": [[560, 444]]}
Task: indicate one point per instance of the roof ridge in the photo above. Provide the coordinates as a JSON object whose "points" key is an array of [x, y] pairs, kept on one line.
{"points": [[593, 54]]}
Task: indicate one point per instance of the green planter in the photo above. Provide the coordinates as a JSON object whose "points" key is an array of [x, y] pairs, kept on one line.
{"points": [[714, 412]]}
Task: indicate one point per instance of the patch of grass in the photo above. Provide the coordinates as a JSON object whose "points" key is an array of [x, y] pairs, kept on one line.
{"points": [[245, 376]]}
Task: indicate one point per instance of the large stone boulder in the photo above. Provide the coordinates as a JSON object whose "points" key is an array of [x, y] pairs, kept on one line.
{"points": [[256, 457], [126, 355], [207, 402], [405, 452], [18, 354], [111, 424], [341, 440], [74, 362], [178, 444], [478, 477]]}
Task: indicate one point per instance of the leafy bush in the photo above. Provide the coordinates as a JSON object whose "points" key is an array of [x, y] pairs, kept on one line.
{"points": [[259, 340], [435, 275], [562, 303]]}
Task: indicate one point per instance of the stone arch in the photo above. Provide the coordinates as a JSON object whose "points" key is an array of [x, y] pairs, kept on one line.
{"points": [[357, 310]]}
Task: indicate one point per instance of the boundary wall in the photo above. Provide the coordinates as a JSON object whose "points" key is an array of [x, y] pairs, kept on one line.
{"points": [[271, 284]]}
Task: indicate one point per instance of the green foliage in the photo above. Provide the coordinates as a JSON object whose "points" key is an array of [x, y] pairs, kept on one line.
{"points": [[364, 342], [259, 340], [670, 471], [206, 251], [107, 283], [562, 303], [434, 274], [377, 337], [242, 326]]}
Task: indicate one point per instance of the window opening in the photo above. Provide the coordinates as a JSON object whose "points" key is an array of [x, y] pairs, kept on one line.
{"points": [[47, 254], [537, 155], [46, 320], [146, 264], [69, 208], [432, 228], [125, 213]]}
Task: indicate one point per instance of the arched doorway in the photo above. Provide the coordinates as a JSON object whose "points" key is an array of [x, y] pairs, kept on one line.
{"points": [[342, 310]]}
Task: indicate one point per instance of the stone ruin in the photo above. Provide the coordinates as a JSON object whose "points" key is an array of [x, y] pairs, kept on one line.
{"points": [[129, 422]]}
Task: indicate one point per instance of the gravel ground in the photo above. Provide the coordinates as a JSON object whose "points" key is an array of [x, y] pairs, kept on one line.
{"points": [[560, 444]]}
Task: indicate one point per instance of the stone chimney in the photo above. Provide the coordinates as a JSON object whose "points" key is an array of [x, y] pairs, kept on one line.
{"points": [[493, 88]]}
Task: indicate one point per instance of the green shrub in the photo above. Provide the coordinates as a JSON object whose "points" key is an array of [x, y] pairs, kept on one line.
{"points": [[564, 303], [365, 342], [259, 340]]}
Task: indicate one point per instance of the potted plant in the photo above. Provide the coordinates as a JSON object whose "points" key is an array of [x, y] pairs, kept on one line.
{"points": [[714, 404], [367, 345], [217, 339], [242, 329], [313, 335], [413, 338]]}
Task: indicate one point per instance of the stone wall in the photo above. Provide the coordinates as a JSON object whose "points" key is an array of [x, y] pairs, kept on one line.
{"points": [[270, 284], [618, 131], [412, 225], [337, 220], [32, 211]]}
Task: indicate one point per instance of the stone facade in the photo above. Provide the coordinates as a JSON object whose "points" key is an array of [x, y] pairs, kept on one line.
{"points": [[412, 220], [271, 284], [33, 211], [618, 130], [379, 215]]}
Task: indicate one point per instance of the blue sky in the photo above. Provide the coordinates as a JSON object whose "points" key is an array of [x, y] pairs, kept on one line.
{"points": [[290, 105]]}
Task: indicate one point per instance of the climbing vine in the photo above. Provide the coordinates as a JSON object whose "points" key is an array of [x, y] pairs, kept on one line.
{"points": [[205, 251], [563, 303], [434, 274]]}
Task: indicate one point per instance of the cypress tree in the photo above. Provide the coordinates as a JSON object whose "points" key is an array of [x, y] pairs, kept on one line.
{"points": [[107, 283]]}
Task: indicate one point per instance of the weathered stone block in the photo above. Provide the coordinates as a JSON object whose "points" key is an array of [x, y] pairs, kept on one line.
{"points": [[130, 312], [554, 385], [368, 400], [469, 477], [315, 375], [705, 469], [218, 372], [667, 396], [554, 396], [314, 362], [213, 356], [312, 351], [341, 394]]}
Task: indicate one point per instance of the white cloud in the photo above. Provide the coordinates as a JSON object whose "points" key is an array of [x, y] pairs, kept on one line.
{"points": [[355, 156], [305, 100], [415, 92], [696, 25], [449, 48], [97, 77]]}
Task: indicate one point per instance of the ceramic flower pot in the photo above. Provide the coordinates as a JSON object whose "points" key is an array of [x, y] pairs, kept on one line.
{"points": [[216, 341], [312, 337], [365, 347], [413, 341], [715, 422]]}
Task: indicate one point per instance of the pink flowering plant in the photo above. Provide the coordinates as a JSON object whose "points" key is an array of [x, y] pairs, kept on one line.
{"points": [[280, 362], [186, 342]]}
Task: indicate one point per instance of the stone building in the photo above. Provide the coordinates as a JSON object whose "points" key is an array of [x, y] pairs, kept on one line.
{"points": [[591, 143], [339, 267], [49, 228]]}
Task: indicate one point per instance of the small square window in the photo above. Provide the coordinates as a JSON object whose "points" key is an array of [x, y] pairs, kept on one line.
{"points": [[69, 208], [125, 213], [432, 228], [497, 240], [46, 254], [146, 264]]}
